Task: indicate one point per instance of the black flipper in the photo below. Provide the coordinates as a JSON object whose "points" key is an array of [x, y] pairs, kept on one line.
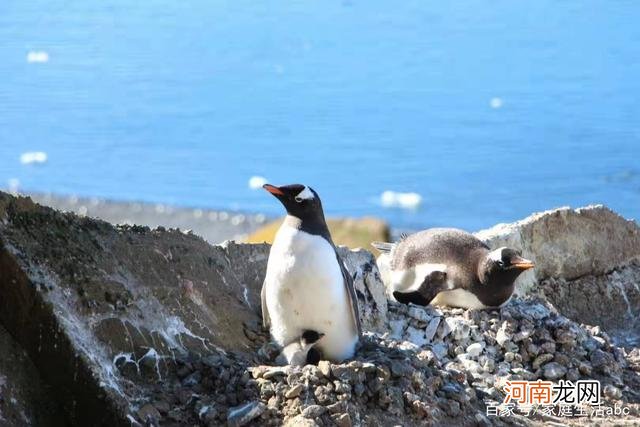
{"points": [[434, 283], [410, 297]]}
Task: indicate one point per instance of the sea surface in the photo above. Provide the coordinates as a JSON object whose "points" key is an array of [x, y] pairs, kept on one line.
{"points": [[488, 110]]}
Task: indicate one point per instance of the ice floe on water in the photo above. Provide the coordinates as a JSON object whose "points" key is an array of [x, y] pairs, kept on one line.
{"points": [[13, 185], [496, 102], [37, 56], [393, 199], [256, 182], [33, 157]]}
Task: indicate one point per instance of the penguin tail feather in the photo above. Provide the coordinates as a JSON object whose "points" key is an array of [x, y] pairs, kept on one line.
{"points": [[384, 247]]}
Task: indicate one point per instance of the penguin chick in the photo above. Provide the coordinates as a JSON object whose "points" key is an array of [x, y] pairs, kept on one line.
{"points": [[302, 351], [447, 266]]}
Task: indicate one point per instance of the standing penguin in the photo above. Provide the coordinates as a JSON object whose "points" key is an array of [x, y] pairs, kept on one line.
{"points": [[307, 286], [447, 266]]}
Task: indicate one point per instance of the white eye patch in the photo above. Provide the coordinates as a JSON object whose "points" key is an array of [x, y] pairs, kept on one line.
{"points": [[496, 255], [305, 194]]}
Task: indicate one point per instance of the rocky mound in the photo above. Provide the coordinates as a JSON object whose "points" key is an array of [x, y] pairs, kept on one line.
{"points": [[132, 326]]}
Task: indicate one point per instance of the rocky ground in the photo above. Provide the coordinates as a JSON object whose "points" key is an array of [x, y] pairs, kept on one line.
{"points": [[121, 326], [434, 366]]}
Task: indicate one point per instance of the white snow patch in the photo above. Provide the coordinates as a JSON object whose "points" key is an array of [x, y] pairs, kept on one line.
{"points": [[256, 182], [33, 157], [393, 199], [37, 57]]}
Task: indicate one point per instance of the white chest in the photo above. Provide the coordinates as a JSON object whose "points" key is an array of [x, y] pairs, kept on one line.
{"points": [[304, 285]]}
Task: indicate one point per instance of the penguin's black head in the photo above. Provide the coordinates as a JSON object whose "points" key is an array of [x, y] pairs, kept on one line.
{"points": [[502, 266], [310, 337], [299, 200]]}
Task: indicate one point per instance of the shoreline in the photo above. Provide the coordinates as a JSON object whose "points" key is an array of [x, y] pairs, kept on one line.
{"points": [[214, 226]]}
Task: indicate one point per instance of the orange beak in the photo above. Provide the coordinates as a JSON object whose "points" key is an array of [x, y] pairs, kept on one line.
{"points": [[273, 190], [523, 264]]}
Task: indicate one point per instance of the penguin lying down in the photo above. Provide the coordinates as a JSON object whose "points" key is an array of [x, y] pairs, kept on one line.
{"points": [[447, 266]]}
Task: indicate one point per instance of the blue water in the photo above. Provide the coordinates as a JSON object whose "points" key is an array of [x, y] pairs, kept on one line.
{"points": [[183, 101]]}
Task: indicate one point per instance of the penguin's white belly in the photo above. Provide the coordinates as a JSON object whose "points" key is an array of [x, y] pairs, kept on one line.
{"points": [[460, 298], [305, 290]]}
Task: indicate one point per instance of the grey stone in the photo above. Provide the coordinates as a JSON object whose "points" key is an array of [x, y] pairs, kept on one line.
{"points": [[553, 371], [431, 329], [313, 411], [416, 336], [242, 415], [474, 349], [294, 391], [568, 243]]}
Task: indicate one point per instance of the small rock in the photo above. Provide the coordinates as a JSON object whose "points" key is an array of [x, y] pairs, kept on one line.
{"points": [[397, 327], [502, 337], [241, 415], [342, 420], [399, 369], [338, 407], [474, 349], [276, 371], [452, 408], [553, 371], [431, 329], [612, 392], [573, 375], [294, 391], [440, 350], [523, 334], [313, 411], [416, 336], [535, 311], [325, 368], [162, 406], [300, 421], [149, 414], [418, 314], [541, 360]]}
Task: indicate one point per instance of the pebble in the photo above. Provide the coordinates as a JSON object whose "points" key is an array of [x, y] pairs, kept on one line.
{"points": [[430, 332], [416, 336], [294, 391], [418, 314], [342, 420], [553, 371], [474, 349], [242, 415], [612, 392], [325, 368], [313, 411], [541, 360]]}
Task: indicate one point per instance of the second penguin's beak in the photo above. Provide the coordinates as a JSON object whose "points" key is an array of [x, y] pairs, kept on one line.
{"points": [[522, 263], [273, 190]]}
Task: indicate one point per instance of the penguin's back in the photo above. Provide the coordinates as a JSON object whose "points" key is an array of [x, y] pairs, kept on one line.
{"points": [[448, 246]]}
